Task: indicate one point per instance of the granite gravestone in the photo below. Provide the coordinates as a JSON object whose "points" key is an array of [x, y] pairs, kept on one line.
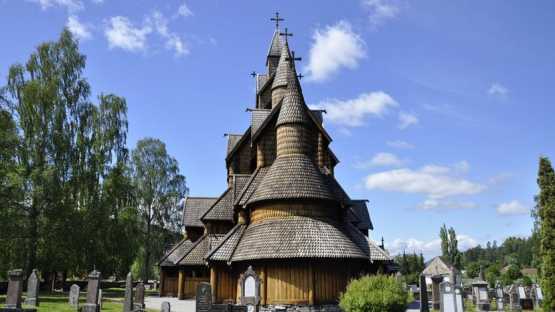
{"points": [[538, 295], [15, 287], [459, 302], [99, 299], [514, 303], [140, 296], [93, 288], [204, 297], [250, 289], [74, 291], [128, 300], [33, 284], [165, 307], [447, 297], [423, 295], [499, 297], [525, 301]]}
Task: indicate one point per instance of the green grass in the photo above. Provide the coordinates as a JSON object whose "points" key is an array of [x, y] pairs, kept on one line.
{"points": [[112, 301]]}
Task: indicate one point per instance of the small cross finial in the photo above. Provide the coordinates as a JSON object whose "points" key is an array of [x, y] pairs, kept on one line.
{"points": [[300, 76], [253, 74], [286, 34], [293, 57], [277, 19]]}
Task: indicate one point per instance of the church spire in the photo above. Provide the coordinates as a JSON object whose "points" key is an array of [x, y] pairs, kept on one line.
{"points": [[293, 109], [279, 85], [274, 51]]}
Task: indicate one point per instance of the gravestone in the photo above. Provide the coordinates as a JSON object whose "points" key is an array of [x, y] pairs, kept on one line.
{"points": [[128, 300], [538, 295], [480, 295], [250, 289], [33, 284], [514, 303], [165, 307], [499, 297], [15, 287], [140, 296], [93, 288], [447, 297], [423, 295], [436, 280], [74, 291], [99, 299], [459, 302], [204, 297], [525, 301]]}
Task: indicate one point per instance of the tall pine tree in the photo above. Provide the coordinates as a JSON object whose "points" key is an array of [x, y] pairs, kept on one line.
{"points": [[546, 203]]}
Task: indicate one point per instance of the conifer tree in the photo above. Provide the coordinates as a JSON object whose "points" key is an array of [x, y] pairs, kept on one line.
{"points": [[546, 203]]}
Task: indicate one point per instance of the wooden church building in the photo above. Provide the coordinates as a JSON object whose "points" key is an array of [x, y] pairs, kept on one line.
{"points": [[284, 219]]}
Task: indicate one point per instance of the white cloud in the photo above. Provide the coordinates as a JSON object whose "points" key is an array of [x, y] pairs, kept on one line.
{"points": [[434, 181], [380, 11], [406, 120], [353, 112], [333, 48], [497, 89], [78, 29], [462, 166], [429, 248], [436, 204], [121, 33], [98, 1], [400, 144], [184, 10], [173, 41], [70, 5], [381, 160], [513, 207]]}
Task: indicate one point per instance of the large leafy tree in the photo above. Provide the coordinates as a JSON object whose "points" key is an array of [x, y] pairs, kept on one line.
{"points": [[159, 189], [546, 204], [67, 147]]}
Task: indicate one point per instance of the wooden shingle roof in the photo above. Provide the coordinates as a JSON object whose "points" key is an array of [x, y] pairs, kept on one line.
{"points": [[194, 208], [298, 237], [227, 245], [197, 252], [283, 68], [293, 109], [377, 253], [222, 209], [176, 253], [361, 210], [275, 45], [251, 185], [292, 177]]}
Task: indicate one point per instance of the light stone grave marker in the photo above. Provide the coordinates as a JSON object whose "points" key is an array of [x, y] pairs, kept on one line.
{"points": [[33, 284]]}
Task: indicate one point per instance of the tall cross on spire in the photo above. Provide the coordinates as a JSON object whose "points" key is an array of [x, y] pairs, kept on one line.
{"points": [[277, 19], [293, 58], [253, 74], [286, 34]]}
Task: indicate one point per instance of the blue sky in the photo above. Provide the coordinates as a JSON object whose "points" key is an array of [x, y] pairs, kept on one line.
{"points": [[439, 110]]}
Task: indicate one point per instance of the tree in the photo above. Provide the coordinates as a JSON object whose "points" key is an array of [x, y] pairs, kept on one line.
{"points": [[449, 246], [159, 189], [546, 204]]}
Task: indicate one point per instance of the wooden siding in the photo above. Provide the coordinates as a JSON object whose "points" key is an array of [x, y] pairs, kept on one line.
{"points": [[226, 288], [266, 147], [190, 286], [278, 94], [295, 139], [280, 210], [287, 284]]}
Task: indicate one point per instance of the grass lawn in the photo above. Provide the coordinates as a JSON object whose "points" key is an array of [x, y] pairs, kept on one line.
{"points": [[49, 302]]}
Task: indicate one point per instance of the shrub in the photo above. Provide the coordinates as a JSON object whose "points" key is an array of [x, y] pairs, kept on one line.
{"points": [[375, 293]]}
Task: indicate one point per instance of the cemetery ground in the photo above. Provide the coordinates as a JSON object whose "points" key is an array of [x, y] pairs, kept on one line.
{"points": [[58, 302]]}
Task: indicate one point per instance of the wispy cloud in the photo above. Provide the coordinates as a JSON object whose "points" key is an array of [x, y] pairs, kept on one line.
{"points": [[407, 119], [121, 33], [513, 208], [184, 10], [400, 144], [333, 48], [380, 11], [78, 29], [438, 204], [70, 5], [436, 182], [381, 160], [430, 248], [497, 89], [354, 112]]}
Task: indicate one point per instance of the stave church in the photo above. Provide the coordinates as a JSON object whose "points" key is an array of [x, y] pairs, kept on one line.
{"points": [[284, 220]]}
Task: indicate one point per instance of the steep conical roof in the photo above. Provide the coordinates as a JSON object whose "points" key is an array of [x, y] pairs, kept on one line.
{"points": [[293, 109], [275, 46], [283, 68], [292, 177]]}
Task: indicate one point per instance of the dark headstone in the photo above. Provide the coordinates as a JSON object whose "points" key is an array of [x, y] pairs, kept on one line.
{"points": [[74, 291], [33, 283], [93, 288], [165, 307], [128, 300], [140, 296], [15, 287], [204, 297], [423, 295]]}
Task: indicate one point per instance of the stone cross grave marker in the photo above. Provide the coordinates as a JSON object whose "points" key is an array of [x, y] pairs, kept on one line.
{"points": [[166, 307], [74, 291], [447, 297], [93, 287], [140, 296], [33, 284], [204, 297], [128, 300], [15, 287], [423, 295]]}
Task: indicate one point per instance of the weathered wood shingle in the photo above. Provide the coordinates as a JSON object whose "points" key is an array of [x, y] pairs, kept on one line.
{"points": [[194, 208]]}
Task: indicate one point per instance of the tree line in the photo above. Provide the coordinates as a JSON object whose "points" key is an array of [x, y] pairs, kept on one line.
{"points": [[73, 197]]}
